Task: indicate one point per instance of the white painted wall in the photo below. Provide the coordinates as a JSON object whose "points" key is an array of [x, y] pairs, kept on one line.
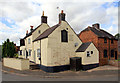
{"points": [[56, 53], [93, 59]]}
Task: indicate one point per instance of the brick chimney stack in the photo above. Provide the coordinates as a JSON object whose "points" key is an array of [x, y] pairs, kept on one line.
{"points": [[31, 28], [43, 18], [61, 16], [97, 25], [27, 32]]}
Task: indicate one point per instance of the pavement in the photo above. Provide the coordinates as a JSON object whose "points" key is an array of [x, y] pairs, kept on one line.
{"points": [[102, 70]]}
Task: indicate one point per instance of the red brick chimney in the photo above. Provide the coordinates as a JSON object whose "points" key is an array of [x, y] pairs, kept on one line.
{"points": [[61, 16], [27, 32], [43, 18], [97, 25], [31, 28]]}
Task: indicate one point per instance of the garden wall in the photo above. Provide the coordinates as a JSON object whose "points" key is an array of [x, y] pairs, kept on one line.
{"points": [[114, 63], [20, 64]]}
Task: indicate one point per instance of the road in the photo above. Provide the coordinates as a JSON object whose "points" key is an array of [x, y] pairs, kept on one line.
{"points": [[14, 77]]}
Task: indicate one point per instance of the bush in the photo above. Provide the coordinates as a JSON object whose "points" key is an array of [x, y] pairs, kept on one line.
{"points": [[8, 49]]}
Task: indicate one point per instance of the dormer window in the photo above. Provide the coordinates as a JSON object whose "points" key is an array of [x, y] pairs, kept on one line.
{"points": [[64, 36]]}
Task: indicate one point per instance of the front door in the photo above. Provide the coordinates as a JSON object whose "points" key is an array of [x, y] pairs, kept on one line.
{"points": [[34, 57], [115, 55]]}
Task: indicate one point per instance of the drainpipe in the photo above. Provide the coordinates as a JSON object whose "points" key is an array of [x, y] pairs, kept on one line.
{"points": [[40, 54], [109, 49]]}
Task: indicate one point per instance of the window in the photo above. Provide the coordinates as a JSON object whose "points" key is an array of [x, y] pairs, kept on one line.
{"points": [[105, 40], [30, 52], [88, 54], [20, 52], [112, 53], [91, 52], [64, 36], [29, 41], [105, 53], [111, 41], [38, 53], [39, 31]]}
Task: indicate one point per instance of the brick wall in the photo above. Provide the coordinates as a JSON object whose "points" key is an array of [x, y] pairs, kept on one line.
{"points": [[89, 36]]}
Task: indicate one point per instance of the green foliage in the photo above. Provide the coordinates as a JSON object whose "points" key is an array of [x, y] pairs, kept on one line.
{"points": [[117, 36], [8, 49]]}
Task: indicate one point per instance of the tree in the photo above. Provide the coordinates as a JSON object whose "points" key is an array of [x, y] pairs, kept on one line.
{"points": [[117, 36], [8, 49]]}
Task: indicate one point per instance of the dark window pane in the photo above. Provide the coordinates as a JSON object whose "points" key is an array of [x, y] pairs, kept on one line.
{"points": [[91, 52], [105, 40], [112, 53], [105, 53], [112, 41], [64, 36], [20, 52]]}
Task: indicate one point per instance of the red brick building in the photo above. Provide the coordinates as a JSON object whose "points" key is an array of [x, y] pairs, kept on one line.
{"points": [[104, 41]]}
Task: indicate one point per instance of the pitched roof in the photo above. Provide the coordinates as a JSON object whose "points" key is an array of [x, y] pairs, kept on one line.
{"points": [[31, 32], [83, 47], [100, 32], [46, 33]]}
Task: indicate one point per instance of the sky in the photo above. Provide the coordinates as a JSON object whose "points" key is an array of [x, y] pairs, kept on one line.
{"points": [[16, 16]]}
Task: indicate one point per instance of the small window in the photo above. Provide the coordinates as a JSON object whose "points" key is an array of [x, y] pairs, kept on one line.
{"points": [[20, 52], [38, 53], [105, 53], [64, 36], [29, 41], [39, 31], [111, 41], [112, 53], [91, 52], [105, 40], [30, 52], [88, 54]]}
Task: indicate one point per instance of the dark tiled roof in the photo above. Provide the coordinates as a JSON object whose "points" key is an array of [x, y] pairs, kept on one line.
{"points": [[83, 47], [46, 33], [100, 32], [31, 32]]}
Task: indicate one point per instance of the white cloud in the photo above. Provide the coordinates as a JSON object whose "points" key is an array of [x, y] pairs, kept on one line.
{"points": [[79, 14]]}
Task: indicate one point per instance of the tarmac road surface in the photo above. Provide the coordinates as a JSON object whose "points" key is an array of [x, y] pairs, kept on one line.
{"points": [[13, 77]]}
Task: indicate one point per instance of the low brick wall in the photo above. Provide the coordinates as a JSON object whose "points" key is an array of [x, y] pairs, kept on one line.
{"points": [[114, 63], [19, 64]]}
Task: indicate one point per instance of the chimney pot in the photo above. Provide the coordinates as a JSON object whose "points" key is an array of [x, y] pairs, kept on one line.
{"points": [[31, 28], [43, 18], [61, 11], [43, 13]]}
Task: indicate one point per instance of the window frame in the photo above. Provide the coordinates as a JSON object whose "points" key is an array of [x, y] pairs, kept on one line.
{"points": [[30, 52], [64, 36], [105, 40], [91, 52], [39, 54], [29, 41], [105, 55], [88, 53], [112, 53]]}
